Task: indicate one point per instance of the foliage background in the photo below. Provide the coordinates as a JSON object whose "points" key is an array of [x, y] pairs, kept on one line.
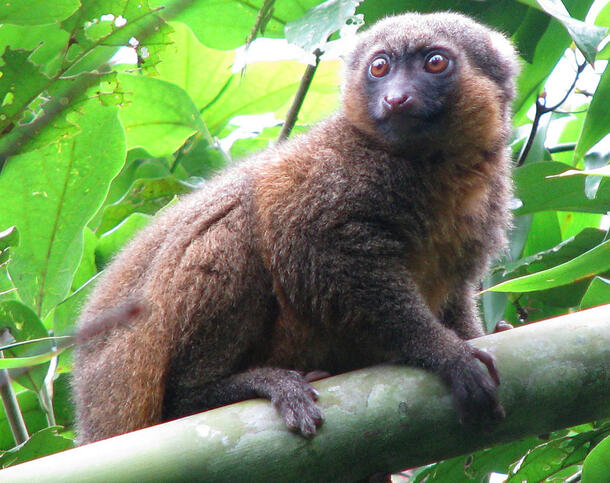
{"points": [[91, 148]]}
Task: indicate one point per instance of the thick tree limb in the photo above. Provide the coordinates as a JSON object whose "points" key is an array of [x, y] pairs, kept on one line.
{"points": [[554, 374]]}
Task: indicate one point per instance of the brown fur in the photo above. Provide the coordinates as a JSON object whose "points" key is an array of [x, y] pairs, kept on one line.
{"points": [[336, 250]]}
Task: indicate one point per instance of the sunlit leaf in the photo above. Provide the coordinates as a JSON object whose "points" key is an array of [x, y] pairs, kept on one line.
{"points": [[157, 115], [587, 37], [226, 24], [29, 12], [20, 83], [50, 194], [202, 72], [538, 190], [598, 117]]}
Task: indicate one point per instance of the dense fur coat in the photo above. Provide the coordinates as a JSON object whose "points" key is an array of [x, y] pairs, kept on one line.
{"points": [[360, 242]]}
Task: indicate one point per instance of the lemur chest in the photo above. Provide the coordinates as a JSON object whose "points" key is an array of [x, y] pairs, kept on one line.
{"points": [[453, 244]]}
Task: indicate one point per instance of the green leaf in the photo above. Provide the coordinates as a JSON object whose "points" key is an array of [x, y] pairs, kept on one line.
{"points": [[548, 459], [538, 191], [530, 32], [603, 17], [586, 37], [595, 468], [202, 72], [563, 252], [267, 86], [42, 443], [20, 362], [226, 24], [34, 12], [95, 39], [50, 194], [598, 117], [544, 233], [595, 173], [573, 223], [145, 196], [598, 293], [86, 268], [111, 242], [322, 97], [311, 31], [477, 466], [596, 260], [66, 313], [199, 159], [157, 115], [24, 325], [45, 42], [549, 50], [20, 83]]}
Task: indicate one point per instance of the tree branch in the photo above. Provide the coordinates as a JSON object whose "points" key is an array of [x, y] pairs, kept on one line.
{"points": [[554, 374]]}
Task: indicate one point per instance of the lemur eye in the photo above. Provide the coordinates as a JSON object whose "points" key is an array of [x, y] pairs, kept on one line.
{"points": [[436, 63], [379, 67]]}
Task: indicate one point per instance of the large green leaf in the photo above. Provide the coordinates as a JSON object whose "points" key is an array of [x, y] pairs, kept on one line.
{"points": [[46, 41], [36, 12], [226, 24], [201, 71], [595, 468], [538, 191], [50, 194], [587, 37], [45, 442], [20, 83], [549, 50], [157, 115], [100, 27], [561, 253], [267, 86], [593, 262], [544, 233], [598, 117]]}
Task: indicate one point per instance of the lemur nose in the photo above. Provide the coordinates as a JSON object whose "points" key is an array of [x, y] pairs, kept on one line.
{"points": [[396, 102]]}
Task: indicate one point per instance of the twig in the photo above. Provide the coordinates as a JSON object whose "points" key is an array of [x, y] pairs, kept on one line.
{"points": [[562, 148], [293, 112], [541, 109], [11, 407], [264, 15]]}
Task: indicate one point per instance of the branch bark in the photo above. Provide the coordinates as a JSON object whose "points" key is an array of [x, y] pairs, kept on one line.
{"points": [[554, 373]]}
